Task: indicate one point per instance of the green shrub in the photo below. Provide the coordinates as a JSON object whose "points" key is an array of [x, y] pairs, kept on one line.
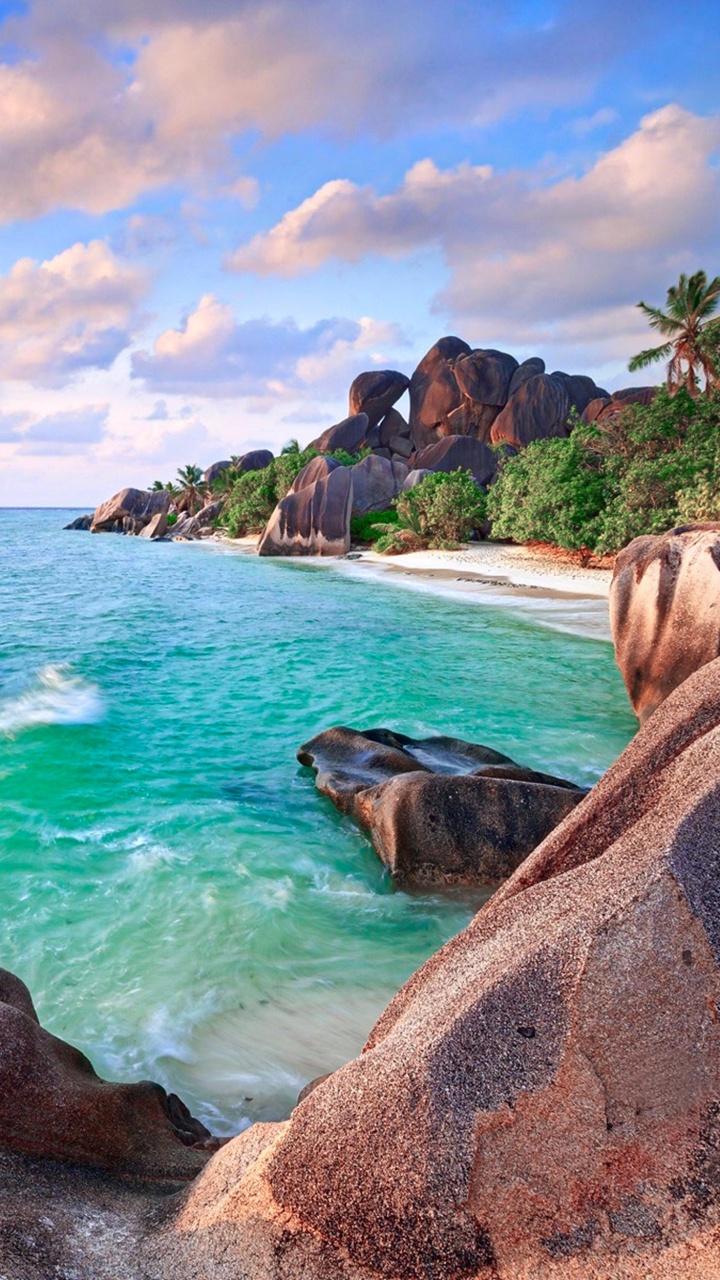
{"points": [[364, 528], [439, 512], [642, 472], [255, 494], [172, 517]]}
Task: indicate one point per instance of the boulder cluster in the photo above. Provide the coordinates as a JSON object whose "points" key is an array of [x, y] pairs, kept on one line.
{"points": [[461, 402]]}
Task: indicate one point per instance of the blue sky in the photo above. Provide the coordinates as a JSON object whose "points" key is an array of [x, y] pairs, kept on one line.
{"points": [[214, 216]]}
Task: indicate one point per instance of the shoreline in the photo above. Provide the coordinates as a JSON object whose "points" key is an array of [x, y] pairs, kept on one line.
{"points": [[546, 590]]}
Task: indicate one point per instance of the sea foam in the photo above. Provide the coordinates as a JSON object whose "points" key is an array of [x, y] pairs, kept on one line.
{"points": [[56, 696]]}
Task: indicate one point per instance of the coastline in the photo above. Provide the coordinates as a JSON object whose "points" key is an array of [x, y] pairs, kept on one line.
{"points": [[549, 591]]}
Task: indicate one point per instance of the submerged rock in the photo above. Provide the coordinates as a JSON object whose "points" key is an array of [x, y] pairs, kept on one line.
{"points": [[541, 1098], [80, 522], [665, 611], [52, 1104], [427, 824]]}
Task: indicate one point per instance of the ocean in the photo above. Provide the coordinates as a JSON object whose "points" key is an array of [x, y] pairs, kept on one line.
{"points": [[182, 903]]}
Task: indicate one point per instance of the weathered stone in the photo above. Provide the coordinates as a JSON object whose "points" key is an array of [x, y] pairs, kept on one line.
{"points": [[458, 451], [80, 522], [138, 504], [375, 393], [348, 435], [434, 391], [400, 473], [374, 485], [157, 528], [473, 831], [401, 445], [484, 376], [414, 477], [315, 469], [581, 389], [216, 469], [186, 527], [541, 1098], [665, 611], [392, 425], [313, 521], [592, 411], [255, 460], [52, 1104], [528, 369], [537, 410], [212, 511]]}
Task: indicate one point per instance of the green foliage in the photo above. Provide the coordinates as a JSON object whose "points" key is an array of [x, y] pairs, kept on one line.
{"points": [[172, 517], [348, 459], [643, 472], [365, 528], [255, 494], [438, 513], [683, 324]]}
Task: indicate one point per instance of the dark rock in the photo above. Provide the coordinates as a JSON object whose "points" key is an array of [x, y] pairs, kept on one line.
{"points": [[580, 389], [528, 369], [434, 391], [52, 1104], [414, 477], [537, 410], [375, 393], [137, 505], [474, 831], [348, 435], [313, 521], [392, 426], [458, 451], [592, 411], [374, 485], [80, 522], [484, 376], [156, 529], [186, 527], [665, 611], [216, 469], [255, 460], [315, 469], [212, 511]]}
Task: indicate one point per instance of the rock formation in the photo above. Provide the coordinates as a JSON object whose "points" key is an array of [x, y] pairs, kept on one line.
{"points": [[375, 393], [538, 409], [375, 482], [439, 811], [665, 611], [348, 435], [452, 452], [541, 1098], [136, 506], [313, 520], [52, 1104], [606, 406]]}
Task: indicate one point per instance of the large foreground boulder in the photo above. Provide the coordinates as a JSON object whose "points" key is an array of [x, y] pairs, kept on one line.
{"points": [[665, 611], [439, 811], [130, 508], [313, 520], [542, 1099], [52, 1104]]}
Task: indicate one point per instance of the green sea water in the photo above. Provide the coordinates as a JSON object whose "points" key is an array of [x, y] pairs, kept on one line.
{"points": [[182, 903]]}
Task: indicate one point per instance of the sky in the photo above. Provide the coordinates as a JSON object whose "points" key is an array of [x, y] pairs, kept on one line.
{"points": [[214, 216]]}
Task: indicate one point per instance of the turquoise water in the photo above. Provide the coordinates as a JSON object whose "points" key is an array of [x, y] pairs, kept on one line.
{"points": [[182, 903]]}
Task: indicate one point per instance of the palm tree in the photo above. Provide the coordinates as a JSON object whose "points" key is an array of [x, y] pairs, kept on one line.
{"points": [[690, 303], [189, 480], [292, 446]]}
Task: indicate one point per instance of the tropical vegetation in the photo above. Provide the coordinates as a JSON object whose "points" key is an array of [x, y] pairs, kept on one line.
{"points": [[439, 512], [684, 326]]}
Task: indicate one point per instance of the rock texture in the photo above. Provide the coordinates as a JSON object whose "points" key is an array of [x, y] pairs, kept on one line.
{"points": [[52, 1104], [156, 529], [605, 406], [376, 392], [458, 451], [434, 392], [541, 1098], [375, 482], [538, 409], [312, 521], [80, 522], [665, 611], [429, 824], [348, 435], [129, 510]]}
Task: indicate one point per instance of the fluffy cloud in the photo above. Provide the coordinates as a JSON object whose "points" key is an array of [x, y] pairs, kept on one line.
{"points": [[71, 312], [217, 355], [69, 431], [112, 99], [524, 252]]}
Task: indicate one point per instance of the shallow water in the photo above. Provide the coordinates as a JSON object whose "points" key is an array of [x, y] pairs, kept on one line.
{"points": [[182, 903]]}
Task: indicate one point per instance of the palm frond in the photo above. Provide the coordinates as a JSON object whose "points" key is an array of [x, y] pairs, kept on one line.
{"points": [[659, 320], [649, 356]]}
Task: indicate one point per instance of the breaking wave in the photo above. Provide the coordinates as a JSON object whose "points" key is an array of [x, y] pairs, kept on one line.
{"points": [[56, 696]]}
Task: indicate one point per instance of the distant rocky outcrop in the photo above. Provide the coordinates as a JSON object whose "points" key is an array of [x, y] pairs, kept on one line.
{"points": [[52, 1104], [129, 510], [313, 520], [439, 811], [665, 611], [80, 522], [255, 460]]}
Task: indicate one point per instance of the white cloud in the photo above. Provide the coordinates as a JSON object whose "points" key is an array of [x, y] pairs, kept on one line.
{"points": [[68, 431], [110, 100], [71, 312], [526, 255], [215, 354]]}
